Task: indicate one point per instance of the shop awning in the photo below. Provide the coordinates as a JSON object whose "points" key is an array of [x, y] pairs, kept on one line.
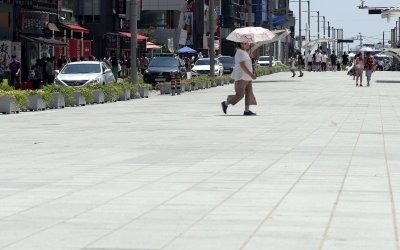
{"points": [[150, 45], [52, 26], [76, 28], [138, 37], [51, 41]]}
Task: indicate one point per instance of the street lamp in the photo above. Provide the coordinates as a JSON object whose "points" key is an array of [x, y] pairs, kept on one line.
{"points": [[316, 11], [133, 30], [300, 37]]}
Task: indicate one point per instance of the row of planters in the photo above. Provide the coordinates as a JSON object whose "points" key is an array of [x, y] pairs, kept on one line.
{"points": [[206, 81], [56, 96], [196, 83], [262, 70]]}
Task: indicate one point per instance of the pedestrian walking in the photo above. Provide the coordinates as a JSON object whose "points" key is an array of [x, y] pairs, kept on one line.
{"points": [[300, 63], [345, 60], [309, 61], [359, 68], [324, 59], [15, 72], [333, 58], [293, 65], [318, 60], [114, 66], [243, 75], [369, 66]]}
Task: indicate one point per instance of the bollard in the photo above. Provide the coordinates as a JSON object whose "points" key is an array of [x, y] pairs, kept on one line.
{"points": [[173, 84], [178, 84]]}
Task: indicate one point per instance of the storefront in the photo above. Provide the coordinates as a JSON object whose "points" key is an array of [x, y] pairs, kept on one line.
{"points": [[78, 47], [119, 44]]}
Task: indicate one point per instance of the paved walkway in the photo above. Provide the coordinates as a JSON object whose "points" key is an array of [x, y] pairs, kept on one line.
{"points": [[318, 168]]}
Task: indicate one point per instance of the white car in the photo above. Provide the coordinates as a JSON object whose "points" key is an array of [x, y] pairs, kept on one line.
{"points": [[83, 73], [264, 60], [202, 67]]}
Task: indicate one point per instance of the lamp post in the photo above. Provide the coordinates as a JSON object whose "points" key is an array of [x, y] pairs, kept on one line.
{"points": [[211, 49], [308, 11], [316, 11], [133, 30]]}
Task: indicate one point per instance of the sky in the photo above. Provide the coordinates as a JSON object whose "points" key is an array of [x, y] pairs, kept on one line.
{"points": [[344, 14]]}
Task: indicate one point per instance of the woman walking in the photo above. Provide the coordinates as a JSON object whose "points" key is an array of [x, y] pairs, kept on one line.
{"points": [[359, 68], [243, 75], [369, 66], [293, 65]]}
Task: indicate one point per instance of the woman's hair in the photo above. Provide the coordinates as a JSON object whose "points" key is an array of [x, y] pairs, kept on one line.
{"points": [[239, 45]]}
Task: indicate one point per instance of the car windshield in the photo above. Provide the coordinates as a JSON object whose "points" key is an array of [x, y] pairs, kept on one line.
{"points": [[264, 58], [227, 59], [163, 62], [83, 68], [205, 62]]}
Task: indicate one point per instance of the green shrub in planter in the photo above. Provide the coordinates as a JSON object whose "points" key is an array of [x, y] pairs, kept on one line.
{"points": [[67, 92], [87, 92], [111, 92], [4, 86], [19, 96], [44, 94]]}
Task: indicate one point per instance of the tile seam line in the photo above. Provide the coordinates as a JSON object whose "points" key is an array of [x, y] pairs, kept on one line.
{"points": [[390, 186], [291, 188], [333, 212], [157, 206], [220, 203], [87, 210], [288, 192]]}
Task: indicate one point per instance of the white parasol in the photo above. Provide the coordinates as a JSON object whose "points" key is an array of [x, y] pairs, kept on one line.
{"points": [[279, 34], [250, 35], [365, 49]]}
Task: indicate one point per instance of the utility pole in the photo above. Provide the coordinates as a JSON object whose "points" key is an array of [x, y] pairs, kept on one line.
{"points": [[211, 48], [270, 26], [309, 20], [300, 38], [133, 30]]}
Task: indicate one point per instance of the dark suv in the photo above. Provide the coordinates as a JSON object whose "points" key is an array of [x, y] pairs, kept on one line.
{"points": [[160, 69]]}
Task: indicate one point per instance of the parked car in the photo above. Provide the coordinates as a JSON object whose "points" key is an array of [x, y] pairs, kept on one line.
{"points": [[264, 60], [228, 63], [276, 63], [83, 73], [160, 69], [202, 67]]}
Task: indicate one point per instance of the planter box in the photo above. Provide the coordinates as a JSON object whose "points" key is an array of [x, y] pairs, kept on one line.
{"points": [[202, 85], [111, 99], [98, 96], [165, 89], [36, 103], [143, 92], [8, 105], [78, 99], [125, 95], [57, 101]]}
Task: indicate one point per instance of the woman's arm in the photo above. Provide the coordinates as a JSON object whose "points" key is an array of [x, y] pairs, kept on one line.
{"points": [[246, 70]]}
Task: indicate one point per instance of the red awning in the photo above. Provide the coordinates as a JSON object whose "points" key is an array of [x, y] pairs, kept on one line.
{"points": [[76, 28], [150, 45], [138, 37]]}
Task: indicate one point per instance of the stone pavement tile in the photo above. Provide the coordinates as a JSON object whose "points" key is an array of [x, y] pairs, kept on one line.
{"points": [[313, 167], [61, 236]]}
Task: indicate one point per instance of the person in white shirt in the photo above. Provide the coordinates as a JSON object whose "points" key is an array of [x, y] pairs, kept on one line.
{"points": [[244, 76], [318, 59], [309, 61]]}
